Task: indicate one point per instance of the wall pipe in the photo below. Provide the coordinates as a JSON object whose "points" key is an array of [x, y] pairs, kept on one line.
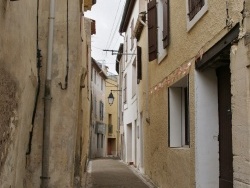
{"points": [[47, 101]]}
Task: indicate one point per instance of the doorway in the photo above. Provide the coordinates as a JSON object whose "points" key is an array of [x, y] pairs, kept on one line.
{"points": [[225, 127], [111, 146]]}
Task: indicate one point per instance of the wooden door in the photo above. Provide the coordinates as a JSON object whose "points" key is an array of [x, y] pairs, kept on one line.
{"points": [[109, 146], [225, 127]]}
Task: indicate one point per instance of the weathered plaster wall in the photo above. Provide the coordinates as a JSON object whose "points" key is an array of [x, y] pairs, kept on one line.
{"points": [[240, 79], [176, 167], [18, 84], [65, 103]]}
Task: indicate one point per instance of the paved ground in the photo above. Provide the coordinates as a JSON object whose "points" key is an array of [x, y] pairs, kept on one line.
{"points": [[112, 173]]}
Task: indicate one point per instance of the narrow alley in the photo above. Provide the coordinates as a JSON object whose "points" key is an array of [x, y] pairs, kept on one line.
{"points": [[108, 172]]}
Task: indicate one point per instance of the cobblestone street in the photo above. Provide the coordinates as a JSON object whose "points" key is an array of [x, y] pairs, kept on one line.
{"points": [[112, 173]]}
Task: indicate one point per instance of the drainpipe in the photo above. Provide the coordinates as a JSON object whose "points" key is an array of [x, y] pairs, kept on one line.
{"points": [[47, 101]]}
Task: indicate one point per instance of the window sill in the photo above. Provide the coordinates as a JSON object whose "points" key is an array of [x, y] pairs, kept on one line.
{"points": [[181, 148]]}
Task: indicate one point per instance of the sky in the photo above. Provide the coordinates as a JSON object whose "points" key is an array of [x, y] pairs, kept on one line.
{"points": [[108, 15]]}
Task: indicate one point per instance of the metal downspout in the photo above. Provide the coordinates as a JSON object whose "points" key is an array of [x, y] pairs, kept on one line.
{"points": [[47, 101]]}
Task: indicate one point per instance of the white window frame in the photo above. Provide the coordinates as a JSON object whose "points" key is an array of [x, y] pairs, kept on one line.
{"points": [[177, 116], [162, 53], [197, 17]]}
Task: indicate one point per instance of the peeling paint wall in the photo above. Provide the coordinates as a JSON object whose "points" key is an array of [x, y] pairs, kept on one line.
{"points": [[240, 57], [18, 84]]}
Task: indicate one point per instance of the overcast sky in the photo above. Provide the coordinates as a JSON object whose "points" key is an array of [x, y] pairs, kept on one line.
{"points": [[107, 14]]}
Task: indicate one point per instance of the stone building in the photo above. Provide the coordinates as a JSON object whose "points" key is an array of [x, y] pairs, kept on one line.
{"points": [[45, 82], [194, 90], [98, 126]]}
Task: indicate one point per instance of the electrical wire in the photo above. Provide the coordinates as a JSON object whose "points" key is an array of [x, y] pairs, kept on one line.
{"points": [[110, 39]]}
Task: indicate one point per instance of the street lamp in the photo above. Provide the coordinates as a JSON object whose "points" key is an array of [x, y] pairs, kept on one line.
{"points": [[111, 97]]}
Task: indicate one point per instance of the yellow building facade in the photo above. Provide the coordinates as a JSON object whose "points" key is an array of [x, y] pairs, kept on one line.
{"points": [[195, 78]]}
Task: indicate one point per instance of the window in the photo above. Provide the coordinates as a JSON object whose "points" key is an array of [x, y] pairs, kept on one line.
{"points": [[125, 89], [139, 65], [152, 30], [195, 10], [132, 37], [101, 84], [101, 110], [158, 29], [110, 119], [110, 128], [134, 80], [95, 76], [194, 7], [95, 106], [126, 49], [178, 119]]}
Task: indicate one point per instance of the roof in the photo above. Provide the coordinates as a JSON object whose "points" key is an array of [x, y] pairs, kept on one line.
{"points": [[128, 9], [96, 66]]}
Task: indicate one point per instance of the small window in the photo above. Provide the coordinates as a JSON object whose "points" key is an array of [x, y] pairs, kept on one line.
{"points": [[195, 10], [125, 89], [178, 119], [101, 110], [132, 37], [101, 84], [139, 65], [134, 80], [194, 7]]}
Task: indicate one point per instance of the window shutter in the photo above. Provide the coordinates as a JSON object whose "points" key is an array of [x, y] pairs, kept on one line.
{"points": [[152, 30], [165, 23], [139, 64]]}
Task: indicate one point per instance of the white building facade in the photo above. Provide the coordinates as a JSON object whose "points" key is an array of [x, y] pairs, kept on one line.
{"points": [[131, 124]]}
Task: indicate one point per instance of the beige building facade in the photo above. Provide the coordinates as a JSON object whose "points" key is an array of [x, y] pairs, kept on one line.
{"points": [[193, 92], [44, 124], [98, 126], [112, 116]]}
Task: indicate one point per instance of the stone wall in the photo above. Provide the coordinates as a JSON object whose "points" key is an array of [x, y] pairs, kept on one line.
{"points": [[18, 85]]}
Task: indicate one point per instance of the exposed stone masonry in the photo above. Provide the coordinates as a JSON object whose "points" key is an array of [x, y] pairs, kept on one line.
{"points": [[8, 105]]}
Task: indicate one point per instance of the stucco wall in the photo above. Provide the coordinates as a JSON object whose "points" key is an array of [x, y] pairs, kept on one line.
{"points": [[18, 83], [240, 58], [65, 103], [169, 167]]}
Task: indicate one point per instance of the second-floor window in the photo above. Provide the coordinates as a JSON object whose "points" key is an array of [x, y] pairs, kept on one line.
{"points": [[158, 29], [132, 37], [125, 89], [134, 80], [194, 7], [101, 110], [101, 84]]}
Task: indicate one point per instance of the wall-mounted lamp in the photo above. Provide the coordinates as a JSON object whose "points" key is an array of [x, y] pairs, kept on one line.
{"points": [[111, 97]]}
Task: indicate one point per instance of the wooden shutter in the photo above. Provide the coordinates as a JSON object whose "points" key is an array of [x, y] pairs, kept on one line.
{"points": [[165, 23], [152, 30], [139, 64], [194, 7]]}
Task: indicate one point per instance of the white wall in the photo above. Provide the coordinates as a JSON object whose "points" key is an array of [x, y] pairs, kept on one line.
{"points": [[206, 130]]}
